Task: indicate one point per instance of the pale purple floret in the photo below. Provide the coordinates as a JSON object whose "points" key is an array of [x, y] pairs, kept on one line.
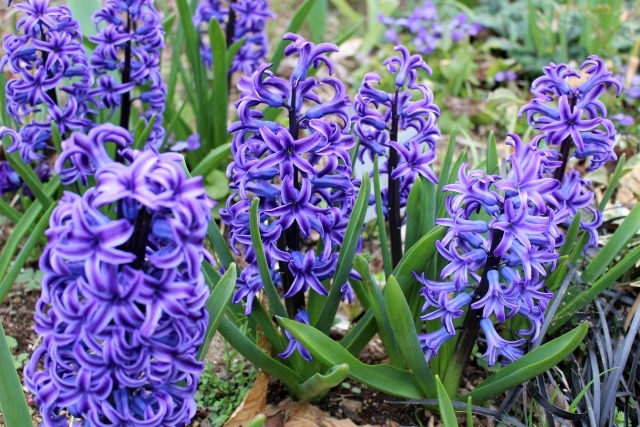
{"points": [[241, 19], [301, 173], [127, 56], [496, 266], [122, 313]]}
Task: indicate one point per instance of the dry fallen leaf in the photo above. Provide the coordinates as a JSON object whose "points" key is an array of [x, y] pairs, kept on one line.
{"points": [[302, 414], [254, 403]]}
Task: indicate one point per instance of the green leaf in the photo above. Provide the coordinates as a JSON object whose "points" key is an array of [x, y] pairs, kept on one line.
{"points": [[613, 182], [382, 226], [579, 302], [255, 355], [445, 170], [530, 365], [213, 159], [492, 155], [82, 11], [346, 256], [30, 179], [618, 240], [220, 95], [318, 25], [216, 303], [385, 378], [319, 384], [418, 259], [7, 211], [571, 235], [381, 315], [13, 402], [56, 137], [232, 51], [447, 413], [294, 26], [404, 328], [258, 421], [219, 245], [142, 132], [25, 253], [351, 14], [414, 210], [275, 302]]}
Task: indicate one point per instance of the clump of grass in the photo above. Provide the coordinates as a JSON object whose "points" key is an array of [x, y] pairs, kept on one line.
{"points": [[220, 393]]}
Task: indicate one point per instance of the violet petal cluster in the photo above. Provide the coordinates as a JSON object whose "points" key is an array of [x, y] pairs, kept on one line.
{"points": [[426, 29], [242, 19], [122, 311], [567, 112], [301, 173], [404, 120], [50, 83], [127, 56], [501, 240]]}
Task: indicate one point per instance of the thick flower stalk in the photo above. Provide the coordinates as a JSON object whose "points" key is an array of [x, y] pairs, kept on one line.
{"points": [[301, 173], [122, 311], [567, 112], [501, 240], [401, 128], [127, 56], [241, 19], [427, 29], [50, 77]]}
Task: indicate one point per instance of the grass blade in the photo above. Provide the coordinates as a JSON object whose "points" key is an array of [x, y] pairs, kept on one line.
{"points": [[447, 413], [294, 26]]}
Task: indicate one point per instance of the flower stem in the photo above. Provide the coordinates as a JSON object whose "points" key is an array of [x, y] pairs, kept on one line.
{"points": [[45, 55], [395, 222], [230, 30], [565, 148], [125, 111], [290, 241], [137, 244], [471, 323]]}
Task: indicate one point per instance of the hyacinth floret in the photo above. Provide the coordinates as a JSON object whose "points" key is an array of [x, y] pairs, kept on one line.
{"points": [[402, 121], [243, 19], [127, 55], [301, 173], [501, 240], [122, 312]]}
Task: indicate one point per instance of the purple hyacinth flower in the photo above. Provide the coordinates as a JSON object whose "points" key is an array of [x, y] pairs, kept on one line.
{"points": [[123, 308], [294, 345], [300, 170]]}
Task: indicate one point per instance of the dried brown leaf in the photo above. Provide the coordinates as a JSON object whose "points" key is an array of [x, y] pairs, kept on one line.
{"points": [[302, 414], [254, 403]]}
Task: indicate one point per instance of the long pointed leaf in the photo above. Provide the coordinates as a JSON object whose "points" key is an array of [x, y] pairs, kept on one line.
{"points": [[346, 256], [13, 402], [216, 303], [385, 378], [404, 328], [530, 365]]}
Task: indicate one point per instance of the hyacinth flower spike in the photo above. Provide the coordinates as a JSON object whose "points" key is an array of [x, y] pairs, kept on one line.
{"points": [[497, 265], [567, 112], [122, 313], [301, 172], [50, 74], [382, 118], [129, 40]]}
